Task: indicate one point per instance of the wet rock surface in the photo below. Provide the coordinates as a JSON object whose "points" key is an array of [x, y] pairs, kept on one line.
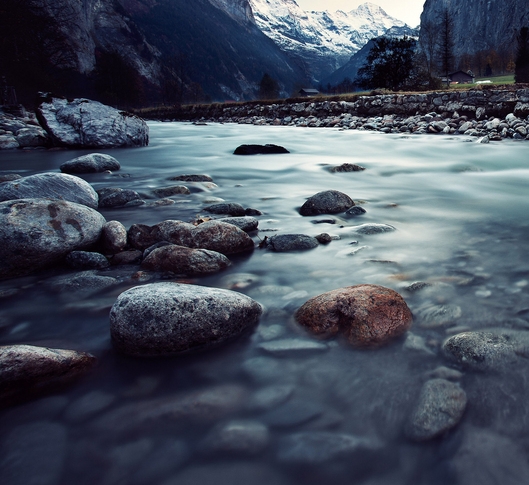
{"points": [[92, 163], [185, 261], [38, 232], [440, 407], [366, 315], [170, 318], [50, 185], [27, 369], [291, 242], [326, 202], [82, 123], [481, 351]]}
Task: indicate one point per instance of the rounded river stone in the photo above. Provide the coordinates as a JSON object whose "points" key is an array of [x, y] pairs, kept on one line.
{"points": [[367, 315], [35, 233], [171, 318]]}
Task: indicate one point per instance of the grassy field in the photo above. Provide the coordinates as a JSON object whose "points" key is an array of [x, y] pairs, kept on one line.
{"points": [[509, 79]]}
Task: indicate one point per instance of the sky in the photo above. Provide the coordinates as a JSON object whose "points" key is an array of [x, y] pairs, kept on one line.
{"points": [[408, 11]]}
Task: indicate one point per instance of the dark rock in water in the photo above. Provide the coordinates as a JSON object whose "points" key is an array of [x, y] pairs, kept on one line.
{"points": [[160, 244], [347, 167], [252, 212], [482, 351], [192, 178], [440, 407], [26, 369], [35, 233], [170, 318], [170, 191], [8, 177], [230, 209], [246, 223], [367, 315], [91, 163], [133, 256], [244, 438], [82, 123], [34, 454], [86, 260], [213, 235], [489, 458], [51, 186], [221, 237], [117, 197], [185, 261], [319, 447], [291, 242], [259, 149], [355, 211], [417, 286], [113, 237], [372, 228], [81, 285], [326, 202], [324, 238]]}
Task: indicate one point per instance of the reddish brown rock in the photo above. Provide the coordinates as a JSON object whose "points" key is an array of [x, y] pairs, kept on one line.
{"points": [[367, 315], [222, 237]]}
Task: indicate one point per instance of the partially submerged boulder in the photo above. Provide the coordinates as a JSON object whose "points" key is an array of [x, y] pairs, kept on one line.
{"points": [[170, 318], [185, 261], [91, 163], [35, 233], [213, 235], [82, 123], [52, 186], [326, 202], [259, 149], [26, 369], [367, 315]]}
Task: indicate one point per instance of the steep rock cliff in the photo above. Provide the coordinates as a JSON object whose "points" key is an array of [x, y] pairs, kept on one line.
{"points": [[480, 24]]}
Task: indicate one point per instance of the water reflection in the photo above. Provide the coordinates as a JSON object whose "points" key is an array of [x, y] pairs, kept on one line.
{"points": [[459, 210]]}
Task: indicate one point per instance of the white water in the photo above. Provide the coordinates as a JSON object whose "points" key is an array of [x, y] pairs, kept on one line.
{"points": [[460, 211]]}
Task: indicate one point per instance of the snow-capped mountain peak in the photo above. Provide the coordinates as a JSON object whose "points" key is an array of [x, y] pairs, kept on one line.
{"points": [[322, 39]]}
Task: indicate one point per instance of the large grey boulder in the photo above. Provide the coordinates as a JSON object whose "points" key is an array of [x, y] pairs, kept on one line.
{"points": [[83, 123], [29, 369], [171, 318], [35, 233], [51, 186]]}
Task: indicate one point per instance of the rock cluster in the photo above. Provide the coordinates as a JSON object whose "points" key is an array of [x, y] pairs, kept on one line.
{"points": [[22, 131]]}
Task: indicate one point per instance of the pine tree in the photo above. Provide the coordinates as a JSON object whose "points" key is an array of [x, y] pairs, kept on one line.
{"points": [[446, 44], [521, 70], [268, 87]]}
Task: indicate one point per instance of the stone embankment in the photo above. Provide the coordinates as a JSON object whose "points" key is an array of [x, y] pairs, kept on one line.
{"points": [[492, 113]]}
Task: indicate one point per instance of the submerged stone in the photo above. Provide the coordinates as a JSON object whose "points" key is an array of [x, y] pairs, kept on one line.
{"points": [[326, 202], [171, 318]]}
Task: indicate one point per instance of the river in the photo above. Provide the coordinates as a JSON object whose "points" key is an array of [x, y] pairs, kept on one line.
{"points": [[460, 213]]}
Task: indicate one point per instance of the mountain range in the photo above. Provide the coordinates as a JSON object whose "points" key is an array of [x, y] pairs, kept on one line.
{"points": [[133, 52]]}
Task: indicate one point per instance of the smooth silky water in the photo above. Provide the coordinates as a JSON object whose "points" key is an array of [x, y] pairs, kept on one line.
{"points": [[460, 210]]}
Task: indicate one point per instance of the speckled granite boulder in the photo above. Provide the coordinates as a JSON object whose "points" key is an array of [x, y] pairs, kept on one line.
{"points": [[170, 318]]}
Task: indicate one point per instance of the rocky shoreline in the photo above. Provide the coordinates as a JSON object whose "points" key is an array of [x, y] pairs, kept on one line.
{"points": [[489, 114]]}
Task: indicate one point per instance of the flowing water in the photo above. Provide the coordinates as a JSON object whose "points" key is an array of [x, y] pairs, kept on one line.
{"points": [[460, 210]]}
